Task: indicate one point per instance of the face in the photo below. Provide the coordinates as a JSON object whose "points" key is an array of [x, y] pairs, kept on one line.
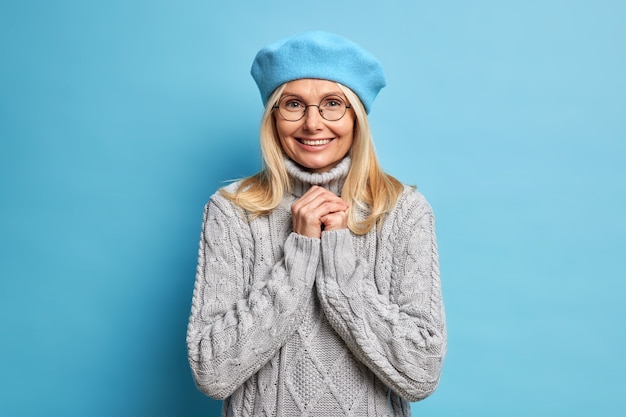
{"points": [[314, 142]]}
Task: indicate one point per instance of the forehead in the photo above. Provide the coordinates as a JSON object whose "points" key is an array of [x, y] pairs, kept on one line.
{"points": [[312, 88]]}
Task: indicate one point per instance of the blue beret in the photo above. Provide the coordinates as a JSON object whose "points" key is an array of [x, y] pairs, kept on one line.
{"points": [[319, 55]]}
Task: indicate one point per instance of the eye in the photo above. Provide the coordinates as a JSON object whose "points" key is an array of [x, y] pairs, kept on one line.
{"points": [[292, 104], [332, 102]]}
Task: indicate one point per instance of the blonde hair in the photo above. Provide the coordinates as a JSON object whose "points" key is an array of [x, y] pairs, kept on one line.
{"points": [[367, 189]]}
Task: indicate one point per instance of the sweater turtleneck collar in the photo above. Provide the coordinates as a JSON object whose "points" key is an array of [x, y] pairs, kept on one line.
{"points": [[302, 180]]}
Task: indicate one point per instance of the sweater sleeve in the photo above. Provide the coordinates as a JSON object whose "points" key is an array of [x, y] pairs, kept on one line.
{"points": [[399, 333], [238, 324]]}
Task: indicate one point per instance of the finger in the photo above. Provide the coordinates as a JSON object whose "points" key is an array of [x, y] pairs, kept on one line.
{"points": [[313, 215], [313, 194], [329, 207], [308, 221], [308, 210], [315, 197], [316, 192], [335, 221]]}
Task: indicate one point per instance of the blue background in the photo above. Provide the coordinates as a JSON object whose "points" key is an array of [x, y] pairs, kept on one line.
{"points": [[119, 119]]}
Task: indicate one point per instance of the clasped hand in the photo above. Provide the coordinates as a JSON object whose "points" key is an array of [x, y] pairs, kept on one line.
{"points": [[318, 209]]}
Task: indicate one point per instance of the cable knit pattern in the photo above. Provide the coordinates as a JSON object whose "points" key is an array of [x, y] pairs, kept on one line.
{"points": [[287, 325]]}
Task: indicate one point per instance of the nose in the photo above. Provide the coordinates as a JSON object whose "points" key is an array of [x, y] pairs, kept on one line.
{"points": [[313, 118]]}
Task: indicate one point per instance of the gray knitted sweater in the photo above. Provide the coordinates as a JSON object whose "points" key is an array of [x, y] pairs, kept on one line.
{"points": [[286, 325]]}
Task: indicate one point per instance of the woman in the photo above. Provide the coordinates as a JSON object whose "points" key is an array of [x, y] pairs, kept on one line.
{"points": [[317, 290]]}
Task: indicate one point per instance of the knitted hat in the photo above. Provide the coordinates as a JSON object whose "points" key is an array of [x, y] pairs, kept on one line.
{"points": [[319, 55]]}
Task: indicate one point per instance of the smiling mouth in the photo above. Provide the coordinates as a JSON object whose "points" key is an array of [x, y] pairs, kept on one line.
{"points": [[317, 142]]}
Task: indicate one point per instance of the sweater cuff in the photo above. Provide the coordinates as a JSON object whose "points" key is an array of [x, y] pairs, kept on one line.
{"points": [[302, 256], [338, 257]]}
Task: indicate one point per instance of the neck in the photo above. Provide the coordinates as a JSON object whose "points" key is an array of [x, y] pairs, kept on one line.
{"points": [[332, 180]]}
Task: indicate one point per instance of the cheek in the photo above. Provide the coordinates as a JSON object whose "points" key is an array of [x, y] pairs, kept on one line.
{"points": [[283, 130], [350, 126], [349, 131], [286, 145], [281, 133]]}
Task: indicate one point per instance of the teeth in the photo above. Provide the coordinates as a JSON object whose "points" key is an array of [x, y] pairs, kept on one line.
{"points": [[315, 142]]}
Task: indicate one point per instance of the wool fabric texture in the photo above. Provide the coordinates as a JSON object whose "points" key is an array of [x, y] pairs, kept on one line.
{"points": [[320, 55], [287, 325]]}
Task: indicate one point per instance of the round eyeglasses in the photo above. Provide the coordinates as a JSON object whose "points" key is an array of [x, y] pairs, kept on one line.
{"points": [[293, 108]]}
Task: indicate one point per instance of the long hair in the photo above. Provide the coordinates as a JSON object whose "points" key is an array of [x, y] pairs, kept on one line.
{"points": [[367, 189]]}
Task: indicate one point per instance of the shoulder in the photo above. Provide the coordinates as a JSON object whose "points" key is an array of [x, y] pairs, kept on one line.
{"points": [[411, 217], [219, 201], [409, 212], [411, 203]]}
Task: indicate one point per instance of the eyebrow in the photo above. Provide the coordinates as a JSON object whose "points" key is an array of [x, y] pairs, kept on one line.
{"points": [[334, 93]]}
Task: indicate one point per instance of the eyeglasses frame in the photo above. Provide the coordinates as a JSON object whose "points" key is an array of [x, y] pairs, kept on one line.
{"points": [[306, 107]]}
